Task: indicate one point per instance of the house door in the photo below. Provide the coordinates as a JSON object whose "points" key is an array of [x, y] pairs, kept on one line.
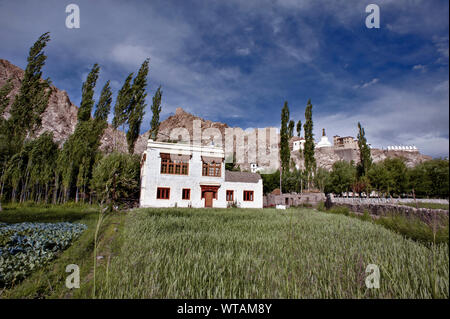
{"points": [[209, 199]]}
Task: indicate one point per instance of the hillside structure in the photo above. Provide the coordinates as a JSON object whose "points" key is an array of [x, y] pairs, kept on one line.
{"points": [[346, 142], [189, 175], [324, 142]]}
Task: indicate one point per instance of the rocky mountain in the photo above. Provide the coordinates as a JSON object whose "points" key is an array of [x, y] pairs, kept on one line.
{"points": [[60, 118]]}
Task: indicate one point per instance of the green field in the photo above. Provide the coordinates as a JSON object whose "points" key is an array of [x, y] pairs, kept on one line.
{"points": [[237, 253]]}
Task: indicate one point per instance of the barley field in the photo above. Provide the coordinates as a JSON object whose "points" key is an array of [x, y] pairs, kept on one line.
{"points": [[297, 253]]}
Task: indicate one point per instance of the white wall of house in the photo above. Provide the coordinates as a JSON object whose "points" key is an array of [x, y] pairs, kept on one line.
{"points": [[152, 179]]}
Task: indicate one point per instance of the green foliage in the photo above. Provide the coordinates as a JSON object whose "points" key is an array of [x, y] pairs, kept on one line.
{"points": [[116, 178], [380, 178], [4, 99], [291, 128], [29, 103], [364, 153], [308, 150], [87, 97], [156, 110], [285, 152], [299, 128], [270, 181], [414, 228], [32, 170], [430, 178], [104, 104], [121, 109], [398, 177], [322, 180], [342, 177], [137, 106]]}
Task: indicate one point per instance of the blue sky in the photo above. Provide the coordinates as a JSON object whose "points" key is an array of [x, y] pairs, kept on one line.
{"points": [[238, 61]]}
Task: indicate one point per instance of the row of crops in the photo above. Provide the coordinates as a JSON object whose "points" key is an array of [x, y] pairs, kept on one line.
{"points": [[27, 246]]}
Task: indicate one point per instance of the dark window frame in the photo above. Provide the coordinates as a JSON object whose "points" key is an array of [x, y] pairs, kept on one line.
{"points": [[163, 193], [248, 196], [188, 193]]}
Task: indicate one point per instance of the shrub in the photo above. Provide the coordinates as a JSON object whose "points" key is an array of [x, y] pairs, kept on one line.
{"points": [[340, 210]]}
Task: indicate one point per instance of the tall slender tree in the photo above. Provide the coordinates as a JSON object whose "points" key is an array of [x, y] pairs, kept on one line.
{"points": [[104, 103], [285, 153], [122, 105], [364, 152], [137, 106], [156, 110], [76, 158], [299, 128], [32, 98], [102, 110], [308, 150], [291, 128], [87, 99]]}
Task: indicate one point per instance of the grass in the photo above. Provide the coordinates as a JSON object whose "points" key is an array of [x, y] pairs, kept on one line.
{"points": [[297, 253], [427, 205], [410, 227], [236, 253]]}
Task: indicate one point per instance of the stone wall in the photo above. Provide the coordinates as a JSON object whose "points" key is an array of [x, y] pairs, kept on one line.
{"points": [[429, 216], [293, 199]]}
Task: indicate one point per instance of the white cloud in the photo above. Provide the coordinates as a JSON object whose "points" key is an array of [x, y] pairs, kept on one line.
{"points": [[366, 84], [243, 51], [419, 67]]}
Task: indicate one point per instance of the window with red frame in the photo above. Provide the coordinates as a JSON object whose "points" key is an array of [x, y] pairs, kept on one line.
{"points": [[248, 196], [163, 193], [186, 194], [230, 196]]}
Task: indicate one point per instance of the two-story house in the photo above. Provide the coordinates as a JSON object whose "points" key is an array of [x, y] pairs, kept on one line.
{"points": [[186, 175]]}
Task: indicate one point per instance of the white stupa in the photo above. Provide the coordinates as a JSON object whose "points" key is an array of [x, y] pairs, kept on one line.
{"points": [[324, 142]]}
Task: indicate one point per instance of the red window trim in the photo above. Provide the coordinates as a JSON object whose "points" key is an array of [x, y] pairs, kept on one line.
{"points": [[252, 196], [177, 166], [189, 193], [215, 167], [232, 195], [158, 192]]}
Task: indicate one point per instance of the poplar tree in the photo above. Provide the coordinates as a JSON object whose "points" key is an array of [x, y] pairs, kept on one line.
{"points": [[137, 106], [308, 150], [76, 158], [156, 110], [4, 99], [285, 153], [299, 128], [364, 152], [291, 128], [32, 98], [122, 105], [104, 104], [87, 97]]}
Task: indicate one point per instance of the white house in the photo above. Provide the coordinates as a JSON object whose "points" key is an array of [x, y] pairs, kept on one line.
{"points": [[298, 143], [185, 175]]}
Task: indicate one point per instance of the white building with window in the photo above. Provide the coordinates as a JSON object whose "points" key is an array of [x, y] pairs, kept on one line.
{"points": [[184, 175]]}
